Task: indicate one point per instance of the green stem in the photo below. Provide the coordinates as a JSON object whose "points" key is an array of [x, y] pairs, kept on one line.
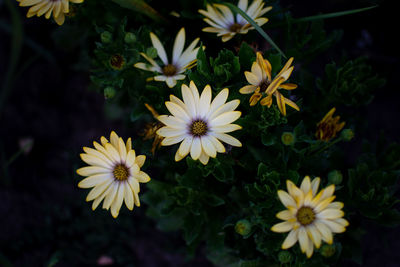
{"points": [[337, 140], [255, 25]]}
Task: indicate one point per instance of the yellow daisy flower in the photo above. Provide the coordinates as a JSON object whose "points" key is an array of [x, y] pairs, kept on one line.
{"points": [[262, 84], [199, 124], [181, 60], [328, 127], [310, 218], [224, 23], [114, 173], [59, 8]]}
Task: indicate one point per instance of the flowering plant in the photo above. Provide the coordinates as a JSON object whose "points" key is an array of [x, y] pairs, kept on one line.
{"points": [[232, 141]]}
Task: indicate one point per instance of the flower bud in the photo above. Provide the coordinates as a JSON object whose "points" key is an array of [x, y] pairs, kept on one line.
{"points": [[117, 62], [109, 92], [285, 257], [328, 250], [347, 134], [335, 177], [288, 138], [130, 38], [106, 37], [243, 227], [151, 52]]}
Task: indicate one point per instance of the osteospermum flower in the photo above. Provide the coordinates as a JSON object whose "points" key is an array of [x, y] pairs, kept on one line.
{"points": [[225, 24], [59, 8], [310, 218], [114, 173], [199, 124], [262, 84], [181, 60], [328, 127]]}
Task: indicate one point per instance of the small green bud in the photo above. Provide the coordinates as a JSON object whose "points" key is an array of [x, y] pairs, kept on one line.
{"points": [[106, 37], [347, 134], [151, 52], [109, 92], [328, 250], [285, 256], [130, 38], [288, 138], [243, 227], [335, 177]]}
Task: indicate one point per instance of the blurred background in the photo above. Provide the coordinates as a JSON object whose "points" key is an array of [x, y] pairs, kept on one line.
{"points": [[48, 111]]}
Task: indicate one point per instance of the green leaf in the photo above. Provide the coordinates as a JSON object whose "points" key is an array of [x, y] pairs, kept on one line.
{"points": [[246, 56], [202, 63], [255, 25], [334, 15], [214, 201]]}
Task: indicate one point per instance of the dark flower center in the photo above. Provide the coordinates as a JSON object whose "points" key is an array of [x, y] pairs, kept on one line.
{"points": [[169, 70], [198, 128], [235, 27], [305, 215], [264, 86], [121, 172], [117, 61]]}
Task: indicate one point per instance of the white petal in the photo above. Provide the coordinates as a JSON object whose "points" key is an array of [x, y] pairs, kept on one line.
{"points": [[208, 147], [178, 46], [95, 180], [119, 198], [159, 47], [225, 118], [291, 239], [184, 148], [195, 149], [205, 101], [227, 139], [218, 101]]}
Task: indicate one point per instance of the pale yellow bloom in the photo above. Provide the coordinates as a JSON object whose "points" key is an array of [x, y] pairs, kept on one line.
{"points": [[225, 24], [114, 173], [181, 60], [311, 217], [59, 8], [262, 84], [200, 124]]}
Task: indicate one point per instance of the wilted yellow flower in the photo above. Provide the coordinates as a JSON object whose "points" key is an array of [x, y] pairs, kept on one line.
{"points": [[59, 8], [262, 84], [181, 60], [199, 124], [224, 23], [328, 127], [114, 173], [310, 217], [150, 130]]}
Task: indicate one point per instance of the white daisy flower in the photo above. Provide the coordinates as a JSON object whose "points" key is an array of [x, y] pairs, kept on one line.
{"points": [[181, 60], [114, 173], [225, 24], [48, 7], [199, 124], [310, 218]]}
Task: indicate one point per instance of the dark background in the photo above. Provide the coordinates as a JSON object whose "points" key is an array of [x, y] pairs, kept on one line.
{"points": [[43, 215]]}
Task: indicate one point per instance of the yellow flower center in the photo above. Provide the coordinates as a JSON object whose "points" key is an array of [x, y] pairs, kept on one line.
{"points": [[121, 172], [235, 27], [117, 61], [198, 128], [169, 70], [305, 215]]}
